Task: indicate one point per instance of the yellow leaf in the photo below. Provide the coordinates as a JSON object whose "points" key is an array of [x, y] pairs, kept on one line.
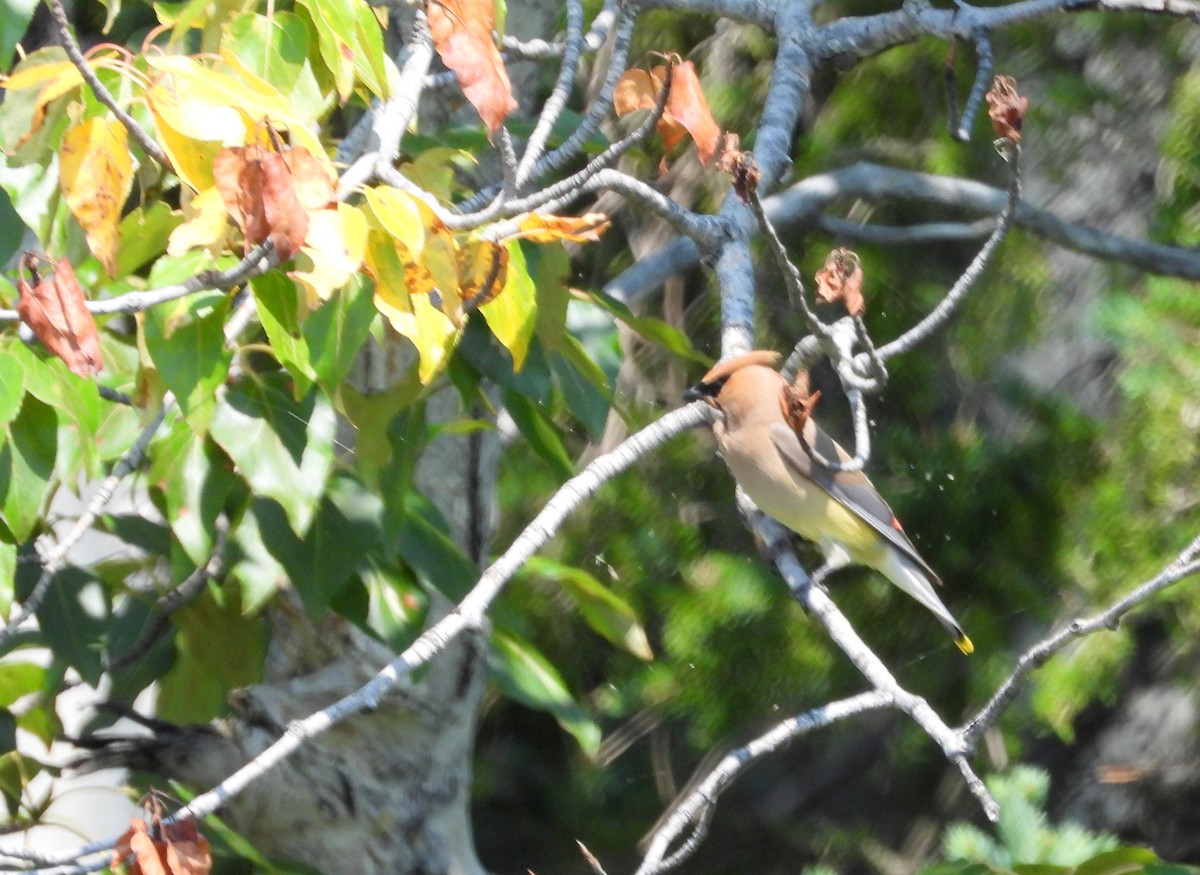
{"points": [[206, 226], [96, 173], [426, 327], [512, 314], [544, 228], [192, 133], [396, 212], [335, 244], [208, 85], [55, 80]]}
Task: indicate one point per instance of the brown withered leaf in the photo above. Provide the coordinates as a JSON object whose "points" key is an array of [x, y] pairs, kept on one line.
{"points": [[53, 305], [687, 106], [269, 193], [162, 849], [462, 35], [841, 279], [1006, 108], [686, 113], [798, 402]]}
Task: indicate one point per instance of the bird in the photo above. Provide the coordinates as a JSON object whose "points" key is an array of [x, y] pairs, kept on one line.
{"points": [[766, 446]]}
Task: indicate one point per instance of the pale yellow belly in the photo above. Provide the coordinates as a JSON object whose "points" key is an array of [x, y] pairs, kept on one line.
{"points": [[800, 504]]}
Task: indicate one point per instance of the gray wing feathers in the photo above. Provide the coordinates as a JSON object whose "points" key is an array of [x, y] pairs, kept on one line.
{"points": [[852, 490]]}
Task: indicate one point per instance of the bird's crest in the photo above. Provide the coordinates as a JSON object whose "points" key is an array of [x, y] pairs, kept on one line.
{"points": [[722, 370]]}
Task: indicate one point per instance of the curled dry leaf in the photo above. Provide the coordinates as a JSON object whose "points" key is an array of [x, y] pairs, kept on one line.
{"points": [[1006, 108], [270, 193], [686, 113], [740, 165], [841, 279], [798, 402], [158, 848], [53, 305], [544, 228], [462, 35]]}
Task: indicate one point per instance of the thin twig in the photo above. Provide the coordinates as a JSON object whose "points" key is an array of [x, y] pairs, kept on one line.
{"points": [[55, 559], [469, 613], [558, 158], [170, 602], [557, 101], [259, 260], [1184, 565], [1011, 152], [67, 40], [702, 799], [983, 80]]}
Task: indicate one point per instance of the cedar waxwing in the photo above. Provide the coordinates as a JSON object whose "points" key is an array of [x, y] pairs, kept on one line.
{"points": [[839, 511]]}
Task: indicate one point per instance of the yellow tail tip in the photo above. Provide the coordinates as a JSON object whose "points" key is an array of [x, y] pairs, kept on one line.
{"points": [[964, 644]]}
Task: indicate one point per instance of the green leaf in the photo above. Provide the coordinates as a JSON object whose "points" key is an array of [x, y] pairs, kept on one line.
{"points": [[603, 609], [27, 465], [78, 404], [13, 24], [282, 447], [583, 385], [144, 233], [370, 61], [550, 268], [16, 771], [654, 330], [220, 649], [186, 341], [512, 314], [541, 433], [396, 606], [336, 331], [19, 679], [133, 619], [525, 675], [347, 529], [194, 482], [427, 549], [8, 573], [12, 387], [374, 417], [1117, 862], [276, 49], [280, 302], [260, 574], [491, 360], [337, 40], [73, 618]]}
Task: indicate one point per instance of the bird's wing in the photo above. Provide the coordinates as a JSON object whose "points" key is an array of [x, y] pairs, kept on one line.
{"points": [[851, 489]]}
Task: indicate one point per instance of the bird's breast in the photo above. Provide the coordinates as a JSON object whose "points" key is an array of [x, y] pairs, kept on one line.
{"points": [[794, 500]]}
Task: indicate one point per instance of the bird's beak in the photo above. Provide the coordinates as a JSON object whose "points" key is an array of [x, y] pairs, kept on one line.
{"points": [[695, 393]]}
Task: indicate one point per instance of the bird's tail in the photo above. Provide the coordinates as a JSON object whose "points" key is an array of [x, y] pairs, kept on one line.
{"points": [[906, 575]]}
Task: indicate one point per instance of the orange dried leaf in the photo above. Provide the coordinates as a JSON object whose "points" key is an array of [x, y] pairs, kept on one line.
{"points": [[189, 856], [841, 279], [637, 89], [54, 307], [544, 228], [149, 856], [462, 35], [687, 106], [1006, 108], [686, 113], [96, 174]]}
